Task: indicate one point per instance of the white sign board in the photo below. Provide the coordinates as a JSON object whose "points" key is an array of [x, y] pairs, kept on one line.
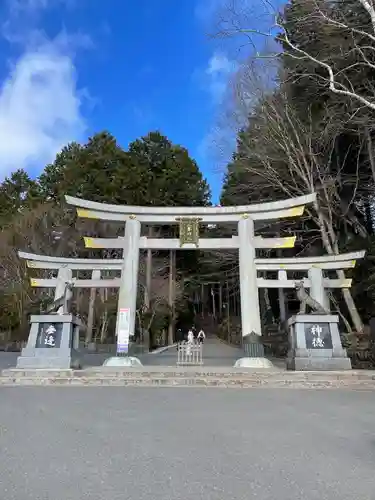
{"points": [[123, 330]]}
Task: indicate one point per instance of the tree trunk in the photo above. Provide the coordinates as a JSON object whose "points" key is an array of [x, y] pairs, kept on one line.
{"points": [[147, 292], [332, 249], [90, 317], [104, 326], [103, 293], [172, 295], [353, 311], [370, 153]]}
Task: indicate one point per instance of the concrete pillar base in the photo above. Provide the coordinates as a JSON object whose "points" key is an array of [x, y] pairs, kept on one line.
{"points": [[121, 361], [255, 363]]}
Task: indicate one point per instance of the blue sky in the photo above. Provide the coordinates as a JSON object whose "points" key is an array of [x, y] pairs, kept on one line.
{"points": [[70, 68]]}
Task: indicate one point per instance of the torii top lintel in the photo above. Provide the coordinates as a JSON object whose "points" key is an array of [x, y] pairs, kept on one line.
{"points": [[292, 207]]}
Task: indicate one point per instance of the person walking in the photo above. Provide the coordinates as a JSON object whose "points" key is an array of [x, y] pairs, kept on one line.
{"points": [[190, 342], [201, 336], [190, 337]]}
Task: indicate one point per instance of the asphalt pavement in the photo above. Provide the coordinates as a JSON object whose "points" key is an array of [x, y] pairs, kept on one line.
{"points": [[215, 353], [189, 444]]}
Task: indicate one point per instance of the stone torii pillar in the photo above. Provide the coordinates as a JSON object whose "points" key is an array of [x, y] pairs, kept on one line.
{"points": [[127, 299], [64, 275], [317, 290], [282, 276], [250, 310]]}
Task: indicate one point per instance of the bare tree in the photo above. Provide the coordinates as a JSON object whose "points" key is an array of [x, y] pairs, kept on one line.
{"points": [[325, 19], [164, 291], [283, 154]]}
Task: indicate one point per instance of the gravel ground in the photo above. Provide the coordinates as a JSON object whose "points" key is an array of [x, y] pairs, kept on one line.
{"points": [[159, 444]]}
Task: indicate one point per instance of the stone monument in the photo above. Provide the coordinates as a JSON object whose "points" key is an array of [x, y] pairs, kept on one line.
{"points": [[314, 338], [54, 337]]}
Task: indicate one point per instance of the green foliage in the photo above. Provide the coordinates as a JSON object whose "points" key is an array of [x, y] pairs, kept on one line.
{"points": [[166, 174], [34, 217], [99, 170], [17, 193], [152, 172]]}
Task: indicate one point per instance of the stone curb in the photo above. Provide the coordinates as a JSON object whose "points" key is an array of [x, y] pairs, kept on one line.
{"points": [[188, 372], [197, 381], [207, 377]]}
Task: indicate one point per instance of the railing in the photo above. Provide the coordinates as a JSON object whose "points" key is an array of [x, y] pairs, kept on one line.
{"points": [[189, 353]]}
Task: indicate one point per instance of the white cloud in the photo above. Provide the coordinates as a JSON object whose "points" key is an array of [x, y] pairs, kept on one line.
{"points": [[40, 108], [217, 145], [219, 63], [40, 104], [218, 73]]}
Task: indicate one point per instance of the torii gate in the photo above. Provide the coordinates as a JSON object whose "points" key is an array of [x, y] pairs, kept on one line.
{"points": [[189, 219]]}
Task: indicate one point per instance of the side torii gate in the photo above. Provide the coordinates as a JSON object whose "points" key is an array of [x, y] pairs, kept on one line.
{"points": [[313, 266]]}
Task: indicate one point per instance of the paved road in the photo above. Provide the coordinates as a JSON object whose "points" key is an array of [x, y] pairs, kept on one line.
{"points": [[188, 444], [215, 353], [8, 359]]}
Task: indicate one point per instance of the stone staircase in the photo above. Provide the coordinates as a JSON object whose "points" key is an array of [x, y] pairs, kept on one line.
{"points": [[208, 324], [219, 377]]}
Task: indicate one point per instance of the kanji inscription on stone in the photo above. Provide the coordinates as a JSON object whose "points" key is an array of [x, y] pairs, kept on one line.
{"points": [[318, 336], [49, 335]]}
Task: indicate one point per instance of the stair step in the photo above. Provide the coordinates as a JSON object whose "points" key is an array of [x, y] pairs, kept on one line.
{"points": [[359, 380]]}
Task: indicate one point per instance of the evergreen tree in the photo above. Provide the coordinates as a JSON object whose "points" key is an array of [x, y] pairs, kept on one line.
{"points": [[17, 192], [152, 171], [93, 171], [167, 174]]}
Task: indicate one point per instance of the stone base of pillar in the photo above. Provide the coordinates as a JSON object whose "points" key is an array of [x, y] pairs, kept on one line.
{"points": [[122, 361], [315, 344], [252, 346], [53, 343], [318, 364], [254, 353], [49, 363], [254, 363]]}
